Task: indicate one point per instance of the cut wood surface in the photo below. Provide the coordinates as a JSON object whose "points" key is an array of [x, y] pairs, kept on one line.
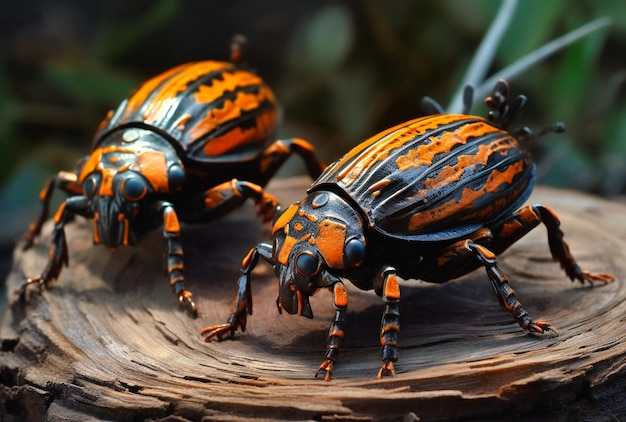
{"points": [[108, 341]]}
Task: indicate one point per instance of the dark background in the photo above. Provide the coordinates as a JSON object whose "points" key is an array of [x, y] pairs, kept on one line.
{"points": [[343, 70]]}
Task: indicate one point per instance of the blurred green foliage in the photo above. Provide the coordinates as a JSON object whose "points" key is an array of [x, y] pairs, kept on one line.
{"points": [[343, 70]]}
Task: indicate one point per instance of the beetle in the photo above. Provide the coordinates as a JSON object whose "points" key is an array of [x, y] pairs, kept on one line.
{"points": [[189, 145], [433, 199]]}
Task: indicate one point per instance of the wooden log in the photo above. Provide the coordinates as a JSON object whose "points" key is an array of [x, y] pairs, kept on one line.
{"points": [[107, 340]]}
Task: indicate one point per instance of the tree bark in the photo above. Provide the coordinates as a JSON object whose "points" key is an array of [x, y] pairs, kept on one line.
{"points": [[108, 341]]}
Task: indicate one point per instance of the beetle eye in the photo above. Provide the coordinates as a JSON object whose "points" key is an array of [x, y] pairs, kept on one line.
{"points": [[90, 186], [307, 264], [176, 177], [354, 252], [134, 188]]}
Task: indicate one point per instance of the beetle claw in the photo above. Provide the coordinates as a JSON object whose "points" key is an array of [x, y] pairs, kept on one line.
{"points": [[327, 366], [386, 369], [228, 329], [186, 300], [586, 276], [219, 331], [542, 327], [38, 281]]}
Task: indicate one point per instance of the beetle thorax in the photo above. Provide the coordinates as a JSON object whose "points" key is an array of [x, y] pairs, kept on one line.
{"points": [[311, 239], [123, 174], [324, 226]]}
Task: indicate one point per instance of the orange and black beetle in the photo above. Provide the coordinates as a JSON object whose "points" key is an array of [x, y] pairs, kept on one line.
{"points": [[432, 199], [190, 144]]}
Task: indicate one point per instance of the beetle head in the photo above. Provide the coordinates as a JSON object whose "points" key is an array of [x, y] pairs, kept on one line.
{"points": [[115, 201], [122, 176], [311, 239]]}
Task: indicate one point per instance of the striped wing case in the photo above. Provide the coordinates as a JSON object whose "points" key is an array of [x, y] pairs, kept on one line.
{"points": [[212, 111], [434, 178]]}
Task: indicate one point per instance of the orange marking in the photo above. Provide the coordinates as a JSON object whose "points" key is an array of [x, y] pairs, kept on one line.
{"points": [[285, 250], [175, 267], [153, 165], [44, 191], [246, 261], [284, 218], [376, 187], [528, 215], [385, 329], [392, 288], [140, 96], [424, 154], [162, 88], [484, 251], [308, 238], [182, 121], [495, 207], [59, 214], [176, 279], [340, 295], [232, 110], [299, 296], [229, 81], [238, 137], [330, 242], [91, 164], [298, 226], [468, 196], [213, 198], [96, 235], [336, 332], [379, 185], [94, 162], [445, 257], [106, 185], [309, 217], [509, 228], [123, 219], [451, 174], [377, 148], [302, 144], [277, 148], [171, 221]]}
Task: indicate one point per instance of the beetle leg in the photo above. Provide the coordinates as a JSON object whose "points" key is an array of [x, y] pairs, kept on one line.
{"points": [[65, 181], [505, 293], [243, 301], [173, 258], [277, 153], [58, 256], [519, 224], [561, 252], [390, 323], [336, 332], [223, 198]]}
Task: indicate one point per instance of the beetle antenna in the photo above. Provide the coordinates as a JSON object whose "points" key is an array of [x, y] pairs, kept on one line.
{"points": [[526, 135], [431, 106], [503, 110], [468, 99], [238, 49]]}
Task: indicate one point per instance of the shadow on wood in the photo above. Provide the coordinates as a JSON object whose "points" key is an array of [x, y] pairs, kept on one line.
{"points": [[107, 339]]}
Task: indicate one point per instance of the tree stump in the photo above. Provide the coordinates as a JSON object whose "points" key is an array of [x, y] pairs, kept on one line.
{"points": [[108, 341]]}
